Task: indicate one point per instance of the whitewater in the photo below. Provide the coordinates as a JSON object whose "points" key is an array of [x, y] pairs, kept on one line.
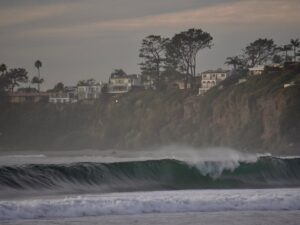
{"points": [[157, 187]]}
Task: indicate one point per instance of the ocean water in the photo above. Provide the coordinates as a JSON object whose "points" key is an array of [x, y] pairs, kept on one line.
{"points": [[164, 187]]}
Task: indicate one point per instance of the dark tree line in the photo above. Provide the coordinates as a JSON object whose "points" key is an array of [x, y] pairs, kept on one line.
{"points": [[9, 79], [176, 54], [14, 77], [264, 51]]}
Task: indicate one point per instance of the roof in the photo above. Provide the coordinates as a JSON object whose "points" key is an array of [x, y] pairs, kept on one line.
{"points": [[216, 71], [23, 94], [259, 67], [130, 76], [92, 85]]}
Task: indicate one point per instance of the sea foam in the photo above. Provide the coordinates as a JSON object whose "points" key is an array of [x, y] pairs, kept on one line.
{"points": [[152, 202]]}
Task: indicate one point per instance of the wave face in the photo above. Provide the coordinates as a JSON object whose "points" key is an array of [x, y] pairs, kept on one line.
{"points": [[165, 174]]}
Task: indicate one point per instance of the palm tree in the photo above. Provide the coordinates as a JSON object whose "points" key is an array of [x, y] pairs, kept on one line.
{"points": [[235, 61], [38, 81], [3, 68], [38, 65], [286, 49], [295, 43]]}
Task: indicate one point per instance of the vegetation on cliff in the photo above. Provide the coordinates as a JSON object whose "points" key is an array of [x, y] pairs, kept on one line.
{"points": [[258, 115]]}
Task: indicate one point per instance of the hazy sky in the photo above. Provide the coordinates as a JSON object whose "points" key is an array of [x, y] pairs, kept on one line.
{"points": [[89, 38]]}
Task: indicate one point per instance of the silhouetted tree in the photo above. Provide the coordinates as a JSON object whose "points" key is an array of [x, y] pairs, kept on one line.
{"points": [[59, 87], [285, 49], [87, 82], [277, 59], [183, 49], [38, 65], [14, 77], [295, 43], [38, 81], [234, 61], [118, 73], [152, 52], [259, 52], [3, 69]]}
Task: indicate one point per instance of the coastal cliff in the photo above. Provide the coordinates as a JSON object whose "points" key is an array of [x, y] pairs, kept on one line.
{"points": [[258, 115]]}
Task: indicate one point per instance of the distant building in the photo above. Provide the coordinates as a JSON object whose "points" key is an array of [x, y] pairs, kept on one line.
{"points": [[89, 91], [257, 70], [61, 97], [27, 97], [56, 98], [180, 84], [212, 78], [123, 84], [148, 82]]}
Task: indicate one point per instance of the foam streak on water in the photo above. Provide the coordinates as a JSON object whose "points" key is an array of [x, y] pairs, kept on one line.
{"points": [[152, 202]]}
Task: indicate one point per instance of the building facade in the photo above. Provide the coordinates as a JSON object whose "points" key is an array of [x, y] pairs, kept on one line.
{"points": [[257, 70], [89, 92], [123, 84], [212, 78], [27, 97]]}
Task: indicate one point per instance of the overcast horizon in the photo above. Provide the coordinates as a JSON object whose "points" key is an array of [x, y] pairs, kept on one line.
{"points": [[88, 39]]}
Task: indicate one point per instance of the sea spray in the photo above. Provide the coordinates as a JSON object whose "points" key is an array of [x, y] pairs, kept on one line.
{"points": [[164, 174]]}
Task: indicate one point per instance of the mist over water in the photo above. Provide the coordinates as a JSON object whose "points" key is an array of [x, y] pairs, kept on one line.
{"points": [[179, 152]]}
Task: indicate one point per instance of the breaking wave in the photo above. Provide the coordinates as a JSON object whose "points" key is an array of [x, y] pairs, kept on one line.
{"points": [[164, 174]]}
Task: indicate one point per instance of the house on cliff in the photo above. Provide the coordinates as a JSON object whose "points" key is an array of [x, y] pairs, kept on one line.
{"points": [[68, 95], [27, 95], [89, 90], [211, 78], [257, 70], [119, 84], [261, 69]]}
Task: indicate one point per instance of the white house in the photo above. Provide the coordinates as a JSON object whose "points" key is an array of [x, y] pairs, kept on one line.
{"points": [[89, 91], [123, 84], [211, 78], [68, 95], [257, 70], [59, 99]]}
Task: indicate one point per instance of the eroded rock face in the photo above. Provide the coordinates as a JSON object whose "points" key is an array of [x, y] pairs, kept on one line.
{"points": [[258, 115]]}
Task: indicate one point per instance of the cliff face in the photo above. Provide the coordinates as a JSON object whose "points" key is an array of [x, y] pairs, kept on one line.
{"points": [[258, 115]]}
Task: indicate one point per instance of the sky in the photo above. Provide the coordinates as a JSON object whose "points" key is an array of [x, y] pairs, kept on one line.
{"points": [[81, 39]]}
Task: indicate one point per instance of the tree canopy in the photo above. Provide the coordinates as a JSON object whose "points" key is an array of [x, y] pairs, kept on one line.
{"points": [[14, 77], [259, 52], [295, 44], [235, 62], [118, 73], [183, 49], [88, 82], [152, 53]]}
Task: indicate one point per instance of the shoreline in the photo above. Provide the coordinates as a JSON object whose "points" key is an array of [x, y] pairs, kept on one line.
{"points": [[208, 218]]}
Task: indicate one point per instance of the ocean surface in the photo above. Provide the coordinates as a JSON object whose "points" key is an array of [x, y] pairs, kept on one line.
{"points": [[215, 186]]}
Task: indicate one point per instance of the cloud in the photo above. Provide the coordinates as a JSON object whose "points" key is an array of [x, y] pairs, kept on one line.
{"points": [[237, 13], [27, 14]]}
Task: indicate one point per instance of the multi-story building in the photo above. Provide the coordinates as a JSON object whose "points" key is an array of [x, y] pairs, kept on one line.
{"points": [[257, 70], [68, 95], [89, 91], [212, 78], [123, 84]]}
